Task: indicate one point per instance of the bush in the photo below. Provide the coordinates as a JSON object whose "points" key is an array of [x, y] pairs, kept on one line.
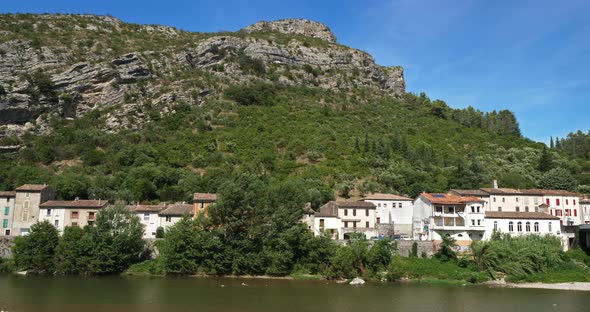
{"points": [[261, 94], [35, 252], [160, 232]]}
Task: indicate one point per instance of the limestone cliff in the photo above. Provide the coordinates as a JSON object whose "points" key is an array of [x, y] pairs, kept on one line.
{"points": [[63, 66]]}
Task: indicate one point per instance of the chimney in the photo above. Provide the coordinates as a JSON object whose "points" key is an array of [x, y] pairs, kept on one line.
{"points": [[495, 184], [77, 198]]}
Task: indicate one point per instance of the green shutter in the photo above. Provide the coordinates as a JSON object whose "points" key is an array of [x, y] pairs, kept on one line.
{"points": [[5, 223], [6, 210]]}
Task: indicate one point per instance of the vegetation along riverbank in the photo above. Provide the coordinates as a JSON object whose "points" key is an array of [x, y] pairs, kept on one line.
{"points": [[254, 230]]}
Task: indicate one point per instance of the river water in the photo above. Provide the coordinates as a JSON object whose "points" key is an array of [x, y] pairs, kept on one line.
{"points": [[113, 294]]}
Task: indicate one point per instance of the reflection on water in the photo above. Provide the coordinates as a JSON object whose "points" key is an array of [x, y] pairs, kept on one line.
{"points": [[19, 293]]}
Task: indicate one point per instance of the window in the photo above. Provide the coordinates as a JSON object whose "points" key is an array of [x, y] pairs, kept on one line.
{"points": [[472, 209], [6, 211], [499, 208], [536, 226], [527, 226], [146, 217], [495, 225], [379, 205], [7, 232], [526, 209], [479, 222], [345, 224], [472, 222], [367, 212], [548, 202], [558, 212], [169, 219], [346, 212], [5, 223], [74, 215], [511, 226], [557, 202], [378, 220], [399, 205], [517, 199], [74, 223], [367, 224], [519, 226], [567, 202], [550, 230], [56, 222], [478, 209], [575, 212], [354, 225], [536, 201], [574, 202], [568, 212], [27, 195], [438, 209], [536, 209], [494, 199], [91, 215], [354, 212], [48, 212], [517, 209], [503, 199]]}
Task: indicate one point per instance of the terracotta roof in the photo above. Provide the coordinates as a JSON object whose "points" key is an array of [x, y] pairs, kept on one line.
{"points": [[500, 191], [7, 194], [205, 197], [449, 198], [146, 208], [74, 204], [518, 215], [382, 196], [177, 210], [355, 204], [469, 192], [32, 187]]}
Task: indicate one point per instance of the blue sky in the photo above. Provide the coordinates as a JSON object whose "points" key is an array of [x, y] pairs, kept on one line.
{"points": [[532, 57]]}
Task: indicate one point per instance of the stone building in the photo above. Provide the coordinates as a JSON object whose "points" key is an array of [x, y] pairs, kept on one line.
{"points": [[7, 202], [26, 209]]}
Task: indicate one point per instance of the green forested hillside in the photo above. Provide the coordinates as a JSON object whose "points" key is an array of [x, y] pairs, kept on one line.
{"points": [[182, 112]]}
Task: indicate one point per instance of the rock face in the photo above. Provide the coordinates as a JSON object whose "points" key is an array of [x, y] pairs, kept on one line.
{"points": [[295, 26], [67, 79]]}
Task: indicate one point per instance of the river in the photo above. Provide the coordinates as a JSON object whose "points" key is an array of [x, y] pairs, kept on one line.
{"points": [[113, 294]]}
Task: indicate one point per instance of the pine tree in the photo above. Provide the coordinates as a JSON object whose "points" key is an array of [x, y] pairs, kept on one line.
{"points": [[551, 145], [546, 161]]}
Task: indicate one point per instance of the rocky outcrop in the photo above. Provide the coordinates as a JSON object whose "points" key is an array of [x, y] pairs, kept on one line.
{"points": [[80, 80], [295, 26]]}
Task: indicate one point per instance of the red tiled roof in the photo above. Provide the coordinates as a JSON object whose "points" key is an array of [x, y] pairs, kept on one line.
{"points": [[97, 204], [381, 196], [205, 197], [32, 187], [449, 198], [7, 194], [518, 215]]}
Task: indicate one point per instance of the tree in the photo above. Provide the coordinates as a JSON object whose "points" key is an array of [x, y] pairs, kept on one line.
{"points": [[446, 249], [551, 145], [74, 251], [558, 179], [35, 252], [545, 161], [116, 239], [180, 246]]}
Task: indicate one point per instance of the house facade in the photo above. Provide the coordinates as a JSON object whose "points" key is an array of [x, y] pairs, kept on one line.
{"points": [[149, 217], [173, 213], [437, 215], [202, 201], [340, 219], [393, 210], [62, 213], [520, 223], [28, 197], [7, 202], [585, 210]]}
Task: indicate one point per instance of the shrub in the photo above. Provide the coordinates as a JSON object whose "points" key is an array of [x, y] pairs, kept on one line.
{"points": [[261, 94], [35, 252]]}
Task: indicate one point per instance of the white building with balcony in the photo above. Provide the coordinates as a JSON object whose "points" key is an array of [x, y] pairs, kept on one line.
{"points": [[437, 215]]}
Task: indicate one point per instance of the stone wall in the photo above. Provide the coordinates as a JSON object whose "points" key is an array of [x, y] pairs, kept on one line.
{"points": [[405, 247]]}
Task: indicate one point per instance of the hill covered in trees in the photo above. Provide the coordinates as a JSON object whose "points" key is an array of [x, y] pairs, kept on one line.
{"points": [[103, 109]]}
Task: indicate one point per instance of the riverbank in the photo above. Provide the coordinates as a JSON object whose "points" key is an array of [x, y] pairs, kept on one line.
{"points": [[577, 286]]}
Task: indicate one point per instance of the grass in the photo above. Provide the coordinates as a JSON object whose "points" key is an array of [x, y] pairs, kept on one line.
{"points": [[566, 273], [306, 277], [148, 267], [433, 270]]}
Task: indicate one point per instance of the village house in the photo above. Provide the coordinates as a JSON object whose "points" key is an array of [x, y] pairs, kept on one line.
{"points": [[62, 213], [26, 209], [437, 215], [149, 217], [308, 216], [173, 213], [393, 212], [339, 219], [202, 201], [585, 210], [7, 202], [520, 223]]}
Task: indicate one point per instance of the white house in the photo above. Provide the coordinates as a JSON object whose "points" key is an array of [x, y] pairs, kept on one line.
{"points": [[339, 219], [393, 209], [585, 210], [7, 200], [173, 213], [149, 217], [437, 215], [62, 213], [520, 223]]}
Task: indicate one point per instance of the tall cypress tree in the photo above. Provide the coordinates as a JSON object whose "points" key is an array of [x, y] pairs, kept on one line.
{"points": [[546, 161]]}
